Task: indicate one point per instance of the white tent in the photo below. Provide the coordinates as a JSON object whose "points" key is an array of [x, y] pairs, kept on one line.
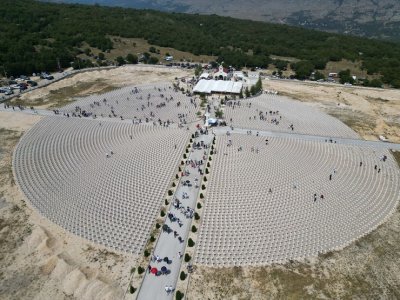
{"points": [[218, 86]]}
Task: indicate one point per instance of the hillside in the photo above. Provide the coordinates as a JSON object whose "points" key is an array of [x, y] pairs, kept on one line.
{"points": [[35, 36], [370, 18]]}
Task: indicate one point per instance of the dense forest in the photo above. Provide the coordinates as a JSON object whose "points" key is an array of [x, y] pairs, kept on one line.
{"points": [[37, 36]]}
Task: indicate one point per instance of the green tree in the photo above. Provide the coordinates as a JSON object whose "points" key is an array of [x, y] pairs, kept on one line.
{"points": [[132, 59], [318, 75], [120, 60], [247, 92], [153, 60], [303, 69], [241, 94], [280, 64], [373, 83], [190, 242], [345, 77], [198, 70], [219, 113], [183, 275], [258, 86], [179, 295]]}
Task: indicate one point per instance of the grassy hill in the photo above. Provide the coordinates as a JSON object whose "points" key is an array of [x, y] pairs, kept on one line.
{"points": [[36, 36]]}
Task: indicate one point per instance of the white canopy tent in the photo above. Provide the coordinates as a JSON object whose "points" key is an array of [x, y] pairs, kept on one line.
{"points": [[218, 86]]}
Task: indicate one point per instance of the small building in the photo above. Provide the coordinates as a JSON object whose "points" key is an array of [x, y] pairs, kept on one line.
{"points": [[222, 73]]}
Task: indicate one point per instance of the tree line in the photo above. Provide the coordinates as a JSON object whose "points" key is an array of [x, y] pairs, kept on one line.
{"points": [[37, 36]]}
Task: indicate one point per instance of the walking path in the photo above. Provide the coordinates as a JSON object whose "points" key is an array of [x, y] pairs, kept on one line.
{"points": [[305, 137], [153, 287], [223, 130]]}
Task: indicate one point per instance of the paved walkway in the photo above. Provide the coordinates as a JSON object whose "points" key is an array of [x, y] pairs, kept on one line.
{"points": [[46, 113], [223, 130], [153, 287], [305, 137]]}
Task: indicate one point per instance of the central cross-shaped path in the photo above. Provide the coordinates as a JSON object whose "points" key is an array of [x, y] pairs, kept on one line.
{"points": [[153, 287]]}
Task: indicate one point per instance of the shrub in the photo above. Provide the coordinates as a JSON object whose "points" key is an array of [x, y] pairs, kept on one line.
{"points": [[179, 295], [209, 158], [191, 140], [196, 216], [132, 289], [146, 253], [133, 269], [205, 179], [199, 205], [190, 242], [201, 196], [208, 165], [211, 152], [194, 228], [187, 150], [166, 202], [207, 172], [203, 187], [182, 162], [173, 184], [162, 213], [192, 135], [152, 238], [158, 226], [140, 270], [180, 170], [184, 155], [182, 276], [177, 176], [187, 257], [170, 192]]}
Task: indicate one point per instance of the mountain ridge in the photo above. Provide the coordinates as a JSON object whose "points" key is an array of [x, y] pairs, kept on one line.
{"points": [[367, 18]]}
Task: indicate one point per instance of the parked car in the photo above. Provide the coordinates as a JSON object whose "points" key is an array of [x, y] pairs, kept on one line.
{"points": [[32, 83], [23, 86], [43, 75]]}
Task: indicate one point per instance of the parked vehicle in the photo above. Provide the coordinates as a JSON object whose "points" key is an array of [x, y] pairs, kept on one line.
{"points": [[23, 86]]}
